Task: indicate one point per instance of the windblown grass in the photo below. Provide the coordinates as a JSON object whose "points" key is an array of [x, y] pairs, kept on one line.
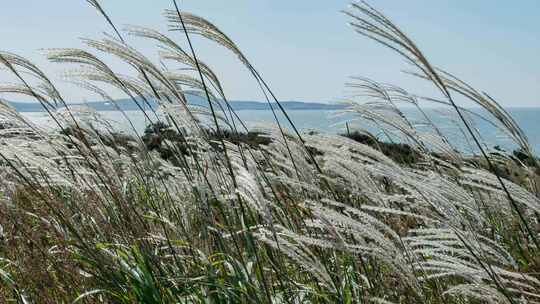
{"points": [[199, 209]]}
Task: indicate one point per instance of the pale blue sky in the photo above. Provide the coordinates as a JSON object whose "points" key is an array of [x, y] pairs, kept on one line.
{"points": [[304, 49]]}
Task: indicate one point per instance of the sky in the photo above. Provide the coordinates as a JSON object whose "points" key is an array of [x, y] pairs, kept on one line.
{"points": [[304, 49]]}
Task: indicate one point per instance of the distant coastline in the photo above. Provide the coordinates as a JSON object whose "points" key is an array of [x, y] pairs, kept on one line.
{"points": [[237, 105], [129, 105]]}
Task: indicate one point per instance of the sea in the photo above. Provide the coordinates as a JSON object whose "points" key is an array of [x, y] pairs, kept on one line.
{"points": [[331, 121]]}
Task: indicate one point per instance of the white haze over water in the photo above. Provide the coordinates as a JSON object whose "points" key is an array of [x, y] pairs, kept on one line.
{"points": [[329, 121]]}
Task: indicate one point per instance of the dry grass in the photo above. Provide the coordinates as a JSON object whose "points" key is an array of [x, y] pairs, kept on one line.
{"points": [[200, 211]]}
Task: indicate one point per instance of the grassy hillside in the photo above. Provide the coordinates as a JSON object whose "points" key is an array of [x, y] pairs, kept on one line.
{"points": [[200, 209]]}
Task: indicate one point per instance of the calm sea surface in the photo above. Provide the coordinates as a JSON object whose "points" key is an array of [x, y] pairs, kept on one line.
{"points": [[327, 121]]}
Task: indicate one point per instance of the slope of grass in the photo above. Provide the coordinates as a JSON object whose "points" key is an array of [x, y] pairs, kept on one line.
{"points": [[200, 209]]}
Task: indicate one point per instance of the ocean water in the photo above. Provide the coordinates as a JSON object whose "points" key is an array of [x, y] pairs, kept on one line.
{"points": [[329, 121]]}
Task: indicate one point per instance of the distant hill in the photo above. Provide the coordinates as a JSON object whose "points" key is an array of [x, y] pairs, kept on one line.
{"points": [[129, 105]]}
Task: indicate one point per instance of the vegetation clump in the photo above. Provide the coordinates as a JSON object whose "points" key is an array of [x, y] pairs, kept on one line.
{"points": [[398, 152]]}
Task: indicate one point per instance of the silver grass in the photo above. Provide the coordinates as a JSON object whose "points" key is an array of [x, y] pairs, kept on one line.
{"points": [[297, 252], [487, 182], [488, 103], [372, 24], [23, 90], [424, 226], [174, 52], [200, 26], [16, 61], [480, 292]]}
